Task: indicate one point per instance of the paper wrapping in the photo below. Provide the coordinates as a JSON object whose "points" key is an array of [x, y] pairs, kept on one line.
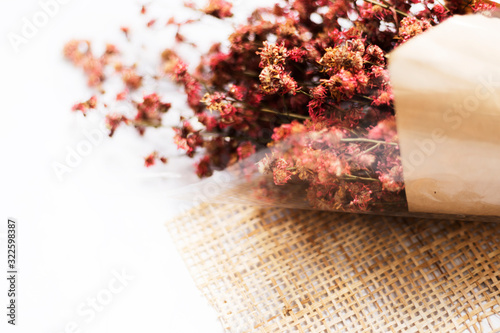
{"points": [[447, 97]]}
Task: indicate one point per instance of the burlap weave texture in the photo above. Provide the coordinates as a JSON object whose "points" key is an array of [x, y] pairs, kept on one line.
{"points": [[284, 270]]}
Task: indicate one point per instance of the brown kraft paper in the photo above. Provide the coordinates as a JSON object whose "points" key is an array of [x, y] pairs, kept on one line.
{"points": [[447, 97]]}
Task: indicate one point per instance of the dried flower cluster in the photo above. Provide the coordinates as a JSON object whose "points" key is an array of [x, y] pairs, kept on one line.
{"points": [[306, 78]]}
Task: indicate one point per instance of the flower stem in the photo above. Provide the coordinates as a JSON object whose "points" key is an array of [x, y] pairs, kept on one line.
{"points": [[386, 7], [292, 115], [304, 93], [369, 140], [351, 177], [365, 151]]}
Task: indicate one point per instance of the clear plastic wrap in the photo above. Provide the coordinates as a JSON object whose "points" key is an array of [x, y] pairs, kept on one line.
{"points": [[439, 156]]}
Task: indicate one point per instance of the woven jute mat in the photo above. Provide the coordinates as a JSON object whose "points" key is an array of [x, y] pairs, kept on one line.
{"points": [[284, 270]]}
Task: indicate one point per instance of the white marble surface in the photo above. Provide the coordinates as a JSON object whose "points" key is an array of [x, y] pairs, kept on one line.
{"points": [[106, 216]]}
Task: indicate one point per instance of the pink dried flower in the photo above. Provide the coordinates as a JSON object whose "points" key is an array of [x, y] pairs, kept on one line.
{"points": [[281, 173], [77, 50], [219, 8], [150, 110], [411, 27], [272, 54], [315, 105], [287, 130], [122, 95], [187, 138], [483, 6], [274, 80], [384, 130], [297, 54], [126, 31], [150, 159], [245, 150], [374, 55], [151, 23], [111, 49], [131, 78], [237, 92], [342, 85], [191, 86], [215, 101], [384, 98], [91, 103], [113, 121], [392, 181], [264, 165], [342, 58], [439, 11], [203, 168], [80, 54], [209, 121]]}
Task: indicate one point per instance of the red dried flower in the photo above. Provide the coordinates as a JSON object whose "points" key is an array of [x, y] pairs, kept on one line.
{"points": [[219, 8], [209, 121], [286, 130], [297, 54], [384, 130], [125, 31], [203, 168], [131, 78], [150, 110], [272, 54], [343, 57], [342, 85], [281, 172], [245, 150], [191, 86], [122, 95], [392, 181], [150, 160], [91, 103], [483, 6], [187, 138], [113, 121], [411, 27], [374, 55], [274, 80]]}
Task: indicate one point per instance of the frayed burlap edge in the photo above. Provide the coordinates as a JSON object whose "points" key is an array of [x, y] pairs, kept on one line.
{"points": [[282, 270]]}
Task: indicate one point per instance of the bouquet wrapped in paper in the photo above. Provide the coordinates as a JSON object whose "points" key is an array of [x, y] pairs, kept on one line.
{"points": [[352, 106], [438, 155]]}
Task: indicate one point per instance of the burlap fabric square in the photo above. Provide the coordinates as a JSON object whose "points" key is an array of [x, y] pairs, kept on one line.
{"points": [[283, 270]]}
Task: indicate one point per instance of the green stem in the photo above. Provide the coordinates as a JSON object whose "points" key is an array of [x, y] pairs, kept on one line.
{"points": [[350, 177], [365, 97], [251, 74], [304, 93], [369, 141], [292, 115], [386, 7], [365, 151]]}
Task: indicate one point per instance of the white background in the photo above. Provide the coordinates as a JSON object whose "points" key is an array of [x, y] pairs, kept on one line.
{"points": [[108, 214]]}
